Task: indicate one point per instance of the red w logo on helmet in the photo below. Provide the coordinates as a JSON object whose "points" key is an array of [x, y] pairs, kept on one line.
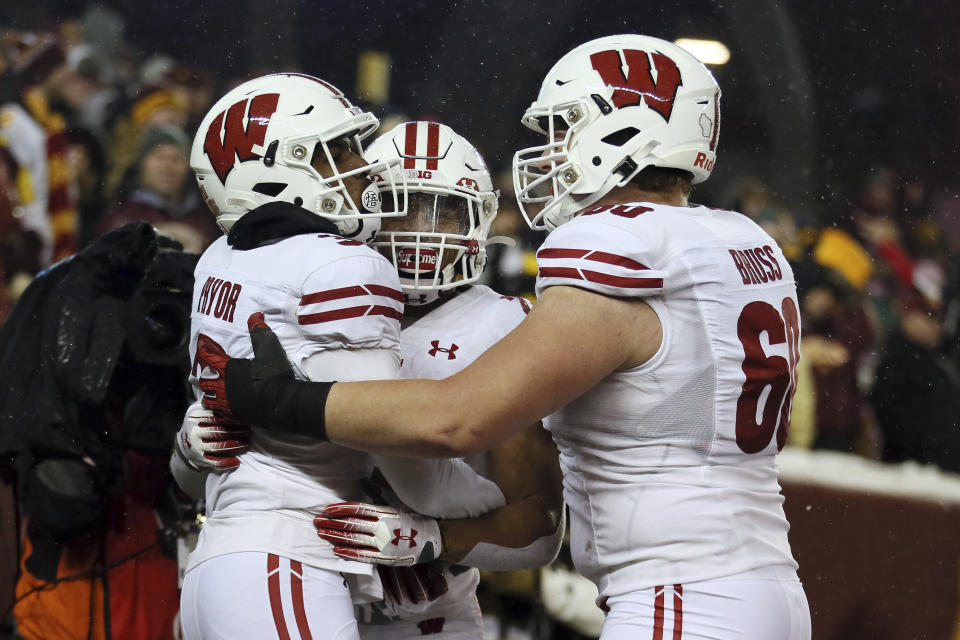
{"points": [[238, 141], [657, 94]]}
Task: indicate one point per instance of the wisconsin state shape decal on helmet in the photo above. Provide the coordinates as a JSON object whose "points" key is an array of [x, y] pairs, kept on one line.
{"points": [[238, 140]]}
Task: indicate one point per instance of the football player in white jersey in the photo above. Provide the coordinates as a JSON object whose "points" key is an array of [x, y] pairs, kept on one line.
{"points": [[439, 251], [278, 160], [663, 350]]}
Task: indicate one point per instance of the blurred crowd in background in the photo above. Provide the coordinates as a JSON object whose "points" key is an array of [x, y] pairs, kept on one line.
{"points": [[89, 142]]}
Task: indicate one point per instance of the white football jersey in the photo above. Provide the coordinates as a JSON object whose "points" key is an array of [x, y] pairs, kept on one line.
{"points": [[437, 346], [669, 467], [317, 292]]}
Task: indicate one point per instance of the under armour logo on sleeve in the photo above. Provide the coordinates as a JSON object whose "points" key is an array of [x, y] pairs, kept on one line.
{"points": [[451, 352]]}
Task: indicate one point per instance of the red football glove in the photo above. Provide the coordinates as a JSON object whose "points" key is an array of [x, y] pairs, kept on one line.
{"points": [[378, 534], [211, 377], [207, 441], [416, 585]]}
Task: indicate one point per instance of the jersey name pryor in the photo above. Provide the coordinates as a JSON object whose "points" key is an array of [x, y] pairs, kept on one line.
{"points": [[669, 467], [317, 292]]}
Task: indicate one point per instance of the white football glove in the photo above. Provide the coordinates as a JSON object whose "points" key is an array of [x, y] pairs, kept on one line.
{"points": [[207, 441], [378, 534]]}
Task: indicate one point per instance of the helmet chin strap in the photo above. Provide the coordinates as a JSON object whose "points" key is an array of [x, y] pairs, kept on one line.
{"points": [[569, 208], [417, 297]]}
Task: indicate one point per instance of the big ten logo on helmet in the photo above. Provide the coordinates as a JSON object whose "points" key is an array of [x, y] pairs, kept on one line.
{"points": [[238, 140], [419, 174], [469, 183], [657, 93]]}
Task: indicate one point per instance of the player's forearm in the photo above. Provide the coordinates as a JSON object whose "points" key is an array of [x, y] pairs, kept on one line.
{"points": [[514, 526], [418, 418], [464, 493]]}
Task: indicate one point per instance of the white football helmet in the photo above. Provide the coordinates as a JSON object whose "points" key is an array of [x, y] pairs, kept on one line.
{"points": [[610, 108], [257, 144], [441, 243]]}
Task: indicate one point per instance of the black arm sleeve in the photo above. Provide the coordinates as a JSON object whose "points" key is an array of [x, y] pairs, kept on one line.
{"points": [[279, 404]]}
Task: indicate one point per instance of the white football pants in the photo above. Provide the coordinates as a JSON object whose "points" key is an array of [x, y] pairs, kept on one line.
{"points": [[763, 604], [260, 596], [459, 621]]}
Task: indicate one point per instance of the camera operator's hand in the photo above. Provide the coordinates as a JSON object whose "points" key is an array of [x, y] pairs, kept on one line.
{"points": [[209, 442]]}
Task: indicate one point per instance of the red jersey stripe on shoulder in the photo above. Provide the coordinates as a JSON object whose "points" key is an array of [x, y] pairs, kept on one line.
{"points": [[330, 316], [560, 272], [386, 292], [352, 292], [562, 253], [333, 294], [623, 283], [390, 312], [601, 278], [350, 312], [620, 261], [596, 256]]}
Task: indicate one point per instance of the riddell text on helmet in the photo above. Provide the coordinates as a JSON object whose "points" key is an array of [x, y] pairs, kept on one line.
{"points": [[701, 161]]}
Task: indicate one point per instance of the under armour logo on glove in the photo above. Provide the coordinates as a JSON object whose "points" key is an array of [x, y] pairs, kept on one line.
{"points": [[451, 352], [374, 533], [412, 538]]}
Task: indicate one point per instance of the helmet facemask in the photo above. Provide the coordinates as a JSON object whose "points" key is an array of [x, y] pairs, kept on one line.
{"points": [[439, 244], [544, 177], [333, 199], [450, 203]]}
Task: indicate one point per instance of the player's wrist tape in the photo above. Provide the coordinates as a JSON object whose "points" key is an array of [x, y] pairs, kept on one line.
{"points": [[281, 404]]}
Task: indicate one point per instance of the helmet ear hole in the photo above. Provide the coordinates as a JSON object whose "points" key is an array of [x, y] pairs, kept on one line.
{"points": [[272, 189], [621, 137]]}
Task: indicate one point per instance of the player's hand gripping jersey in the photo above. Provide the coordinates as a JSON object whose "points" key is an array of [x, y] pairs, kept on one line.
{"points": [[318, 292], [669, 467], [437, 346]]}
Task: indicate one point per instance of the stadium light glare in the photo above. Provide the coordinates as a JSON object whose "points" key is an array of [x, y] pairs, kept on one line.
{"points": [[706, 51]]}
